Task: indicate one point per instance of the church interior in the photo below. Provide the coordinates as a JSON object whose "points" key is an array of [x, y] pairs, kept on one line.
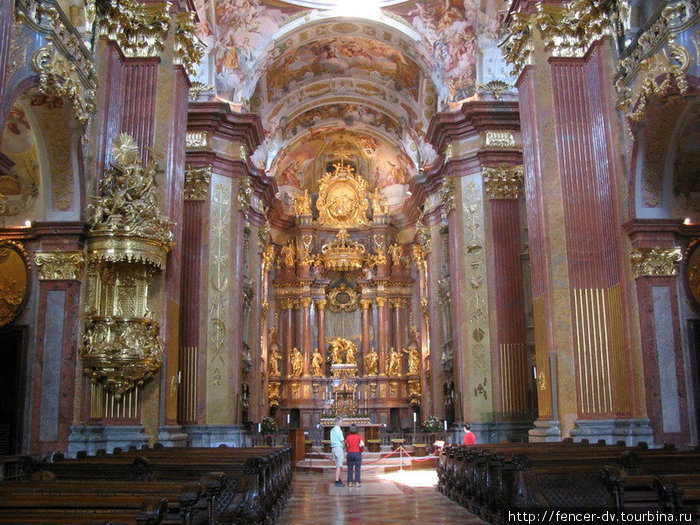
{"points": [[219, 213]]}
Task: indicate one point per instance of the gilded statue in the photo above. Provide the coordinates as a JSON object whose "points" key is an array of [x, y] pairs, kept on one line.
{"points": [[302, 204], [297, 363], [316, 363], [414, 388], [274, 359], [371, 363], [395, 252], [413, 359], [394, 367], [336, 351], [287, 254], [273, 391], [350, 354], [380, 206]]}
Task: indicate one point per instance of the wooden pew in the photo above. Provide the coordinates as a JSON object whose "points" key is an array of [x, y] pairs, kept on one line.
{"points": [[255, 485]]}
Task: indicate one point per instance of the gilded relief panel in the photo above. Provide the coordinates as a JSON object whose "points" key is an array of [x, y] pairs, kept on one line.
{"points": [[218, 302], [477, 393]]}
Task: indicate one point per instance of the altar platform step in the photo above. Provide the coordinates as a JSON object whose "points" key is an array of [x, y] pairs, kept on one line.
{"points": [[374, 461]]}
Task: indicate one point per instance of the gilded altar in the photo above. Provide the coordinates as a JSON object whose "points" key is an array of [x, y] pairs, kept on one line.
{"points": [[344, 337]]}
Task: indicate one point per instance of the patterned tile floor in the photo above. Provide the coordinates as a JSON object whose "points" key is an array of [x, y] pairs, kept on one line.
{"points": [[402, 497]]}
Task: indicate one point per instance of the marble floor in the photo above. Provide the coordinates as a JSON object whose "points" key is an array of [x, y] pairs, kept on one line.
{"points": [[401, 497]]}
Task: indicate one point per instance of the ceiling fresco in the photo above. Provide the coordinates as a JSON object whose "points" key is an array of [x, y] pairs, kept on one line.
{"points": [[366, 84]]}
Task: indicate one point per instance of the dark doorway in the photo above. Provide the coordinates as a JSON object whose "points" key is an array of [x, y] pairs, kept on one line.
{"points": [[394, 419], [294, 418], [12, 351], [694, 330]]}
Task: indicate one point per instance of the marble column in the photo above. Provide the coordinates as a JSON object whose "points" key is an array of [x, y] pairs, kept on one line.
{"points": [[306, 303], [6, 17], [366, 305], [288, 306], [382, 333], [322, 346]]}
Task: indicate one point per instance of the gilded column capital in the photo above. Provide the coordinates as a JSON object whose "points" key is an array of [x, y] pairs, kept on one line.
{"points": [[321, 304], [366, 304], [60, 266], [140, 30], [381, 301], [197, 182], [189, 49], [306, 302], [288, 304], [503, 182], [661, 262], [518, 46], [569, 31], [397, 302]]}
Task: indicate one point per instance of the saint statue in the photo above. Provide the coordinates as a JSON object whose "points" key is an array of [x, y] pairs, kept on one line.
{"points": [[297, 362], [413, 360], [414, 388], [394, 367], [273, 391], [274, 359], [371, 362], [287, 254], [395, 252], [316, 363]]}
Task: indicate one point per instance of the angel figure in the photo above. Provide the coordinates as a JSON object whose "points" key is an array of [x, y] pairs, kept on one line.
{"points": [[287, 253], [302, 204], [380, 206], [336, 352], [395, 252]]}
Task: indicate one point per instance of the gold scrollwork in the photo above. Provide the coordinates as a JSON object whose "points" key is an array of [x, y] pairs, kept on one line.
{"points": [[121, 352], [189, 49], [500, 139], [343, 298], [341, 198], [59, 266], [59, 77], [655, 261]]}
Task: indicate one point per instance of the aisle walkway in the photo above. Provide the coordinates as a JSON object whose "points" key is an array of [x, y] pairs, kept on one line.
{"points": [[402, 497]]}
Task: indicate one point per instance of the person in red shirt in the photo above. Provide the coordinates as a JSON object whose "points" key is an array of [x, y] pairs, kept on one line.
{"points": [[355, 445], [469, 437]]}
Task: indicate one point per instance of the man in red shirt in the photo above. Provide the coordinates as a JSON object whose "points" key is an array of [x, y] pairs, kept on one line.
{"points": [[469, 437]]}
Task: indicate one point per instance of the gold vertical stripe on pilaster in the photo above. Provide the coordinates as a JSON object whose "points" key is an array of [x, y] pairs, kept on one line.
{"points": [[95, 401], [188, 384], [593, 355], [544, 392], [619, 361], [513, 388]]}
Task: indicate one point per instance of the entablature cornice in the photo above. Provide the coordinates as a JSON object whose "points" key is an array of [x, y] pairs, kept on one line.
{"points": [[471, 118], [218, 120]]}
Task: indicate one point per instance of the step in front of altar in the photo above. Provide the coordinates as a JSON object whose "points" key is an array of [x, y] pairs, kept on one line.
{"points": [[376, 461]]}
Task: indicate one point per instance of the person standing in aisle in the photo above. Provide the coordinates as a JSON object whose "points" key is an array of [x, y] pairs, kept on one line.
{"points": [[355, 446], [337, 443]]}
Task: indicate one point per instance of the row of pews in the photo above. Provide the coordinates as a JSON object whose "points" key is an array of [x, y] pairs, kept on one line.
{"points": [[152, 486], [496, 481]]}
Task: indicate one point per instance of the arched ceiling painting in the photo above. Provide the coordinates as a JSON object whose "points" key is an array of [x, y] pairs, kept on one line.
{"points": [[368, 85]]}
